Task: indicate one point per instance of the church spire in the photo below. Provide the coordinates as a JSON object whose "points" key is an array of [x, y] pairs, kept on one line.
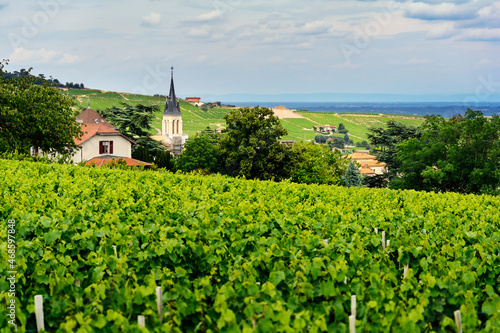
{"points": [[171, 105]]}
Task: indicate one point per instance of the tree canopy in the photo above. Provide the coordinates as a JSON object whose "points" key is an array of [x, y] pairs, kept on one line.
{"points": [[460, 154], [385, 142], [251, 146], [35, 115]]}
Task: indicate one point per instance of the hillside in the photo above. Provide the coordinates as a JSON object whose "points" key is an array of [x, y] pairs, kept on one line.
{"points": [[196, 120], [237, 255]]}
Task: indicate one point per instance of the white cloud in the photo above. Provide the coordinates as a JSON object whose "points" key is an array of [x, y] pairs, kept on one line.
{"points": [[41, 56], [485, 62], [151, 20], [442, 11], [481, 35], [442, 31], [207, 17]]}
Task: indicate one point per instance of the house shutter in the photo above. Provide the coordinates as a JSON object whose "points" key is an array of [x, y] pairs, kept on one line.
{"points": [[101, 147], [111, 147]]}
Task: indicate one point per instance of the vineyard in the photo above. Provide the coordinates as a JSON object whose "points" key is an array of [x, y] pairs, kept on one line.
{"points": [[233, 255]]}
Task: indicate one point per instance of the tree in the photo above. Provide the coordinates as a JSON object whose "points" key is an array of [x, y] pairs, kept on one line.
{"points": [[461, 154], [341, 127], [35, 115], [352, 176], [320, 138], [346, 138], [316, 164], [251, 147], [384, 143], [135, 123], [201, 153]]}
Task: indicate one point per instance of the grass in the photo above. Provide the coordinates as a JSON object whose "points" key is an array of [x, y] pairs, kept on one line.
{"points": [[196, 120]]}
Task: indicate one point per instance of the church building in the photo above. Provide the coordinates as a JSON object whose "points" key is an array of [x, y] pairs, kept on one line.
{"points": [[172, 121]]}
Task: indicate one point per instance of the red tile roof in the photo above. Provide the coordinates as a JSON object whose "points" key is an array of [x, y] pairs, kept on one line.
{"points": [[89, 116], [98, 161], [90, 130]]}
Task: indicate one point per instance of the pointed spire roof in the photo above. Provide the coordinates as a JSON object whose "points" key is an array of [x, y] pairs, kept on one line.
{"points": [[171, 105]]}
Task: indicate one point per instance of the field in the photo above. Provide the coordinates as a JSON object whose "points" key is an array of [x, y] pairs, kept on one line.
{"points": [[232, 255], [196, 120]]}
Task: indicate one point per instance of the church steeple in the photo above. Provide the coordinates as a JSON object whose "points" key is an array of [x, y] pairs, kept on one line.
{"points": [[171, 105]]}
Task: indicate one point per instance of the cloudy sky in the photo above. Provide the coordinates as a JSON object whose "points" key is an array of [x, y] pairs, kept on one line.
{"points": [[259, 46]]}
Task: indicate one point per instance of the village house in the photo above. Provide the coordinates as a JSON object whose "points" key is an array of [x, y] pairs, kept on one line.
{"points": [[196, 101], [101, 142], [369, 164]]}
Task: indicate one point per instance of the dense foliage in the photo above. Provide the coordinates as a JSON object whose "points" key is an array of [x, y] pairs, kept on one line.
{"points": [[251, 147], [460, 154], [386, 140], [236, 255], [35, 115]]}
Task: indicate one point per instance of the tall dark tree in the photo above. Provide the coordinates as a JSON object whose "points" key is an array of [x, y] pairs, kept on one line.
{"points": [[251, 147], [35, 115], [384, 143]]}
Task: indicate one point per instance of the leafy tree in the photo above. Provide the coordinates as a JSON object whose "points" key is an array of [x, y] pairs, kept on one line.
{"points": [[320, 138], [341, 127], [251, 147], [35, 115], [346, 138], [461, 154], [352, 176], [316, 164], [376, 181], [134, 122], [201, 153], [386, 140]]}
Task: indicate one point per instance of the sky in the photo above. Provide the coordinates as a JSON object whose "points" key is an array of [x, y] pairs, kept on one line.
{"points": [[259, 46]]}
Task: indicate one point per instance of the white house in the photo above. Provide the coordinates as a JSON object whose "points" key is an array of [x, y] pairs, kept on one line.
{"points": [[101, 141]]}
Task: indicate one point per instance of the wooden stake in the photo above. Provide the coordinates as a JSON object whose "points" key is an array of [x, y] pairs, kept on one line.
{"points": [[345, 280], [388, 242], [141, 321], [40, 325], [376, 230], [458, 321], [383, 241], [353, 306], [116, 253], [352, 324], [159, 303], [405, 270]]}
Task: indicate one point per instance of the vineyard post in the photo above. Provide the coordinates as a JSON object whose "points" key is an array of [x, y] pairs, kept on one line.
{"points": [[405, 270], [352, 324], [116, 253], [39, 313], [383, 241], [141, 321], [77, 282], [458, 321], [159, 303], [376, 230], [388, 242], [353, 305]]}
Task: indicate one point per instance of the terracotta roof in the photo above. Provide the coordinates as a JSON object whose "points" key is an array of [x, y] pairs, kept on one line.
{"points": [[89, 116], [98, 161], [366, 170], [375, 163], [362, 156], [91, 130]]}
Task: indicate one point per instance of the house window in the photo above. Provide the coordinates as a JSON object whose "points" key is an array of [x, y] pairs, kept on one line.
{"points": [[105, 147]]}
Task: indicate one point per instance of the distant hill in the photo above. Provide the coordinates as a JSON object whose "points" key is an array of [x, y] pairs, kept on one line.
{"points": [[196, 120]]}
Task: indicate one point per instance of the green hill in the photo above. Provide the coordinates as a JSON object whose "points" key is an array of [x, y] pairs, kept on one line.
{"points": [[196, 120]]}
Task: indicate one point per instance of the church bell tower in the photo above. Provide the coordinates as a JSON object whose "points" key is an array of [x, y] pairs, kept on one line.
{"points": [[172, 116]]}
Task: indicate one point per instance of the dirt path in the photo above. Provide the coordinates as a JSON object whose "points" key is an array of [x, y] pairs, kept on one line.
{"points": [[121, 94]]}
